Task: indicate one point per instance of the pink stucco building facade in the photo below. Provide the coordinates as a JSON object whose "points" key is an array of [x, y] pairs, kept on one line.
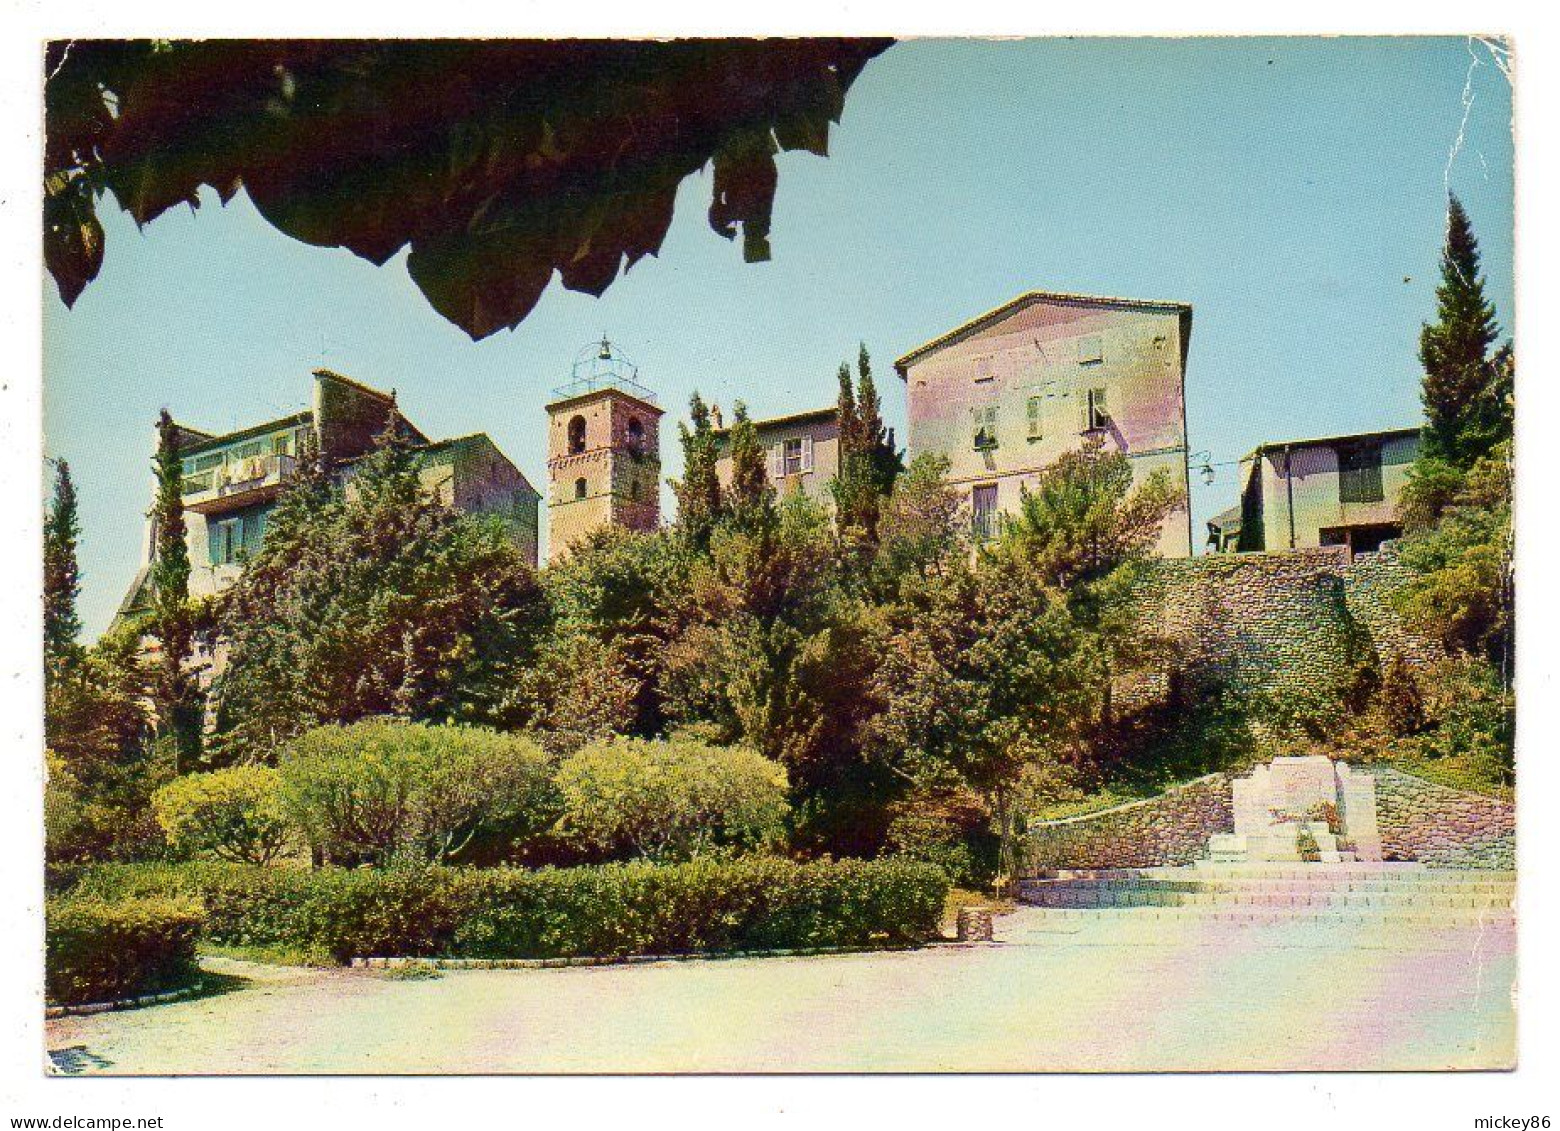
{"points": [[1006, 393]]}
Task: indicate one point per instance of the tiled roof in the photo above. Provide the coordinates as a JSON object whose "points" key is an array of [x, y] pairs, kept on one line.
{"points": [[1330, 441], [1027, 299]]}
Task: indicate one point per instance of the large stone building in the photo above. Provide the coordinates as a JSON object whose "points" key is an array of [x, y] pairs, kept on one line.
{"points": [[1332, 491], [232, 479], [1003, 395], [801, 452], [603, 452]]}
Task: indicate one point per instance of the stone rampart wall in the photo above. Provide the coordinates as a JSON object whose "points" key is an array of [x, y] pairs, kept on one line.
{"points": [[1292, 623]]}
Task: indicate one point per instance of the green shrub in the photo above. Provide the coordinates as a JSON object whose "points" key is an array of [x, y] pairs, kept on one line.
{"points": [[1401, 703], [102, 950], [671, 800], [245, 905], [708, 904], [1472, 718], [232, 814], [373, 789]]}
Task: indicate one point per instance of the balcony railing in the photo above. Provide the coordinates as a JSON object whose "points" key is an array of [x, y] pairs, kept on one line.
{"points": [[237, 483]]}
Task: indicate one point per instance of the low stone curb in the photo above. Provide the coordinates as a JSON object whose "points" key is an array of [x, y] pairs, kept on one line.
{"points": [[52, 1011], [612, 960]]}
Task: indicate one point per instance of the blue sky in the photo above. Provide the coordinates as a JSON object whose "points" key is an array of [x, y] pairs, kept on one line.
{"points": [[1292, 190]]}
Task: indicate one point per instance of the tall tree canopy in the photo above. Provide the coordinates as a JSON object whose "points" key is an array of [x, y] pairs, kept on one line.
{"points": [[61, 573], [379, 600], [497, 162], [1466, 393], [869, 462], [179, 709]]}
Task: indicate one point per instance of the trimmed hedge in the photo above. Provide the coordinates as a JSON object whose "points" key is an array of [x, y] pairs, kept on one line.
{"points": [[106, 950], [750, 903]]}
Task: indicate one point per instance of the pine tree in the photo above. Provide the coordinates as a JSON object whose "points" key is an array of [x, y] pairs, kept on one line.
{"points": [[172, 622], [1465, 412], [61, 574], [750, 492], [698, 493]]}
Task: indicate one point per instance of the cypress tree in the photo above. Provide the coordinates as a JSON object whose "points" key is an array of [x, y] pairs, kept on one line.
{"points": [[868, 463], [877, 441], [750, 490], [172, 622], [1465, 412], [698, 493], [850, 422], [61, 573]]}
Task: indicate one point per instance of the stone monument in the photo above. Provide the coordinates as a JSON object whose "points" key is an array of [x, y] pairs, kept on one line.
{"points": [[1302, 809]]}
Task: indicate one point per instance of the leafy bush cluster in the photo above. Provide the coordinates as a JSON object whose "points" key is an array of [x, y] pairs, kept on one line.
{"points": [[671, 800], [100, 949], [615, 909], [381, 790], [364, 792], [233, 814]]}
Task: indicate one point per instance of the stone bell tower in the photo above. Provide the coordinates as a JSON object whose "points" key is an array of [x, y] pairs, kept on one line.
{"points": [[603, 451]]}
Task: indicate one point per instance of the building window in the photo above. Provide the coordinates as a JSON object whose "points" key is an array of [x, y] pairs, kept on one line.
{"points": [[1096, 415], [227, 541], [580, 487], [985, 428], [576, 435], [1359, 473], [282, 445], [983, 512], [1036, 420], [791, 457], [1091, 350], [636, 436]]}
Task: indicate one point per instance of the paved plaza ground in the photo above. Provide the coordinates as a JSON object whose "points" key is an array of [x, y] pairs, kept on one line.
{"points": [[1113, 992]]}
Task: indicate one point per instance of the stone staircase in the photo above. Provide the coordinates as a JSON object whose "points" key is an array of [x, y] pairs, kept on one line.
{"points": [[1390, 893]]}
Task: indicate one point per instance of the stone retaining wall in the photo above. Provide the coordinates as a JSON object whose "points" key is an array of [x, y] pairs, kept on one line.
{"points": [[1172, 828], [1441, 827], [1417, 820], [1296, 622]]}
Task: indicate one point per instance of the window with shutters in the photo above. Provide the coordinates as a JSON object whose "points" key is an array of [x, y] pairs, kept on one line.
{"points": [[983, 512], [1096, 414], [1359, 473], [226, 540], [985, 428], [1036, 419], [254, 532], [791, 458]]}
